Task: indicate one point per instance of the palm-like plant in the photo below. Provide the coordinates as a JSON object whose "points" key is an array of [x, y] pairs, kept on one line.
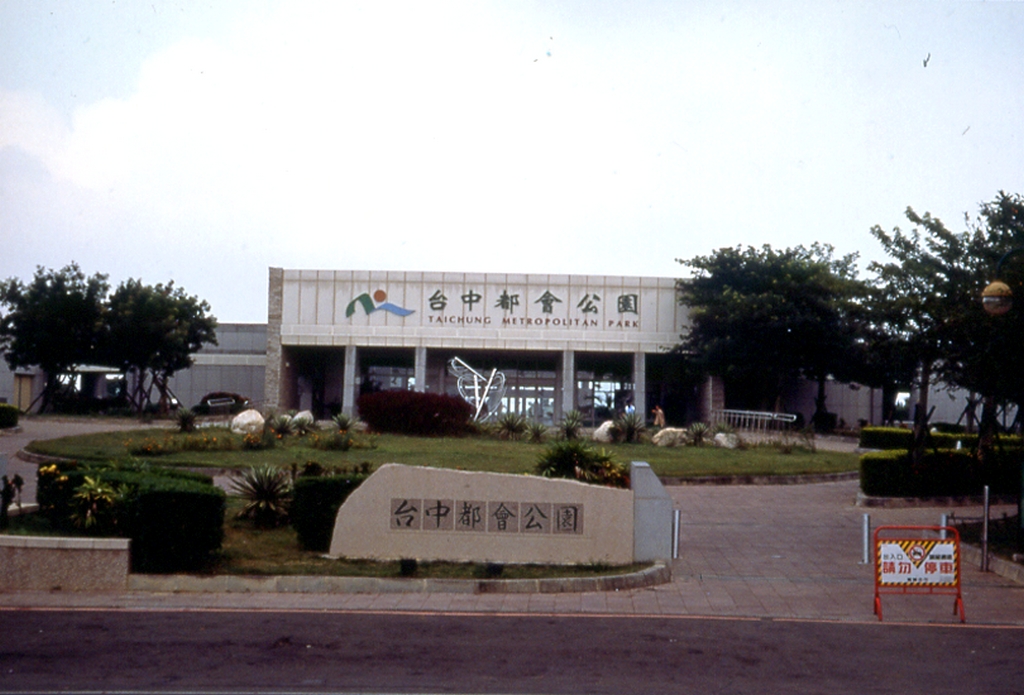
{"points": [[186, 420], [697, 433], [267, 492], [512, 426], [629, 428], [346, 422], [536, 431], [571, 425], [577, 460]]}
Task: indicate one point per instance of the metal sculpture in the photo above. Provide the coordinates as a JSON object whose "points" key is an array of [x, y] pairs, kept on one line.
{"points": [[484, 393]]}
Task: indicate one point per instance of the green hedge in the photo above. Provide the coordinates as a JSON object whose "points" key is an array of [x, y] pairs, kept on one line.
{"points": [[315, 503], [175, 525], [8, 416], [889, 438], [174, 518], [943, 473]]}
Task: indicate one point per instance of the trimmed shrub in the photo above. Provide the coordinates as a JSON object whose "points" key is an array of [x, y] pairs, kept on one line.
{"points": [[175, 518], [415, 413], [8, 416], [175, 525], [942, 473], [888, 438], [315, 504]]}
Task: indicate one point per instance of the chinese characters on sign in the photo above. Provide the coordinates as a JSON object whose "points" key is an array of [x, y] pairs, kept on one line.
{"points": [[501, 516], [588, 310], [917, 563]]}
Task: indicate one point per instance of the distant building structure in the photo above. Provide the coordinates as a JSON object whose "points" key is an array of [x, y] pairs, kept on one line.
{"points": [[564, 342], [591, 343]]}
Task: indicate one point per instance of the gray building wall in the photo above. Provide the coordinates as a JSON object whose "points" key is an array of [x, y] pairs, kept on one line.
{"points": [[237, 364]]}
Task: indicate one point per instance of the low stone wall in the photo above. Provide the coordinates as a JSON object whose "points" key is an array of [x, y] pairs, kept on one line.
{"points": [[39, 563]]}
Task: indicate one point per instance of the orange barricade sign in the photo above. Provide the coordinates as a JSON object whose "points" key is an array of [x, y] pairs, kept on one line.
{"points": [[914, 564]]}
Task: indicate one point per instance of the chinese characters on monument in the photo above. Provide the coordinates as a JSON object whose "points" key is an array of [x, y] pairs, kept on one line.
{"points": [[501, 516]]}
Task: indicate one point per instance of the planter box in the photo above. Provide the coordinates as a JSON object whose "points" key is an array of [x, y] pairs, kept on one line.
{"points": [[36, 563]]}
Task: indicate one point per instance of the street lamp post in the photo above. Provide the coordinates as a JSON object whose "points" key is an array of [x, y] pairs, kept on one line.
{"points": [[997, 300]]}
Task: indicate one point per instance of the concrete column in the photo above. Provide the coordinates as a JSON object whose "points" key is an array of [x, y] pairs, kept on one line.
{"points": [[640, 383], [348, 383], [712, 398], [419, 370], [272, 385], [565, 397]]}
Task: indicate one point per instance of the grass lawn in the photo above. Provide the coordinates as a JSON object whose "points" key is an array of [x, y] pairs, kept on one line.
{"points": [[475, 453]]}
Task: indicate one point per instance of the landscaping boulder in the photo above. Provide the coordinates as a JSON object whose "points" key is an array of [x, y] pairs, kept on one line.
{"points": [[603, 433], [669, 436], [303, 419], [248, 422], [726, 441]]}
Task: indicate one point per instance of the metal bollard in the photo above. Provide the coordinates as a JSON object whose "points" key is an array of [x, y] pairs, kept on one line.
{"points": [[866, 538]]}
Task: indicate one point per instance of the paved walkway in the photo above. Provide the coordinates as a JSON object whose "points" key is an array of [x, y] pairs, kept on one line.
{"points": [[773, 551]]}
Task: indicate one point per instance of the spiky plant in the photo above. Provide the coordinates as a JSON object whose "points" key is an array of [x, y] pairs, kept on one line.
{"points": [[512, 426], [579, 461], [346, 422], [629, 428], [571, 425], [267, 491], [281, 425], [536, 431], [697, 433], [185, 418]]}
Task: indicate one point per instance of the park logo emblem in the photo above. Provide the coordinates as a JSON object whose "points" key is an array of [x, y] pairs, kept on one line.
{"points": [[376, 303]]}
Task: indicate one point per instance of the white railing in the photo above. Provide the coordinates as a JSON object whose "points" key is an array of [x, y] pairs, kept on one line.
{"points": [[752, 420]]}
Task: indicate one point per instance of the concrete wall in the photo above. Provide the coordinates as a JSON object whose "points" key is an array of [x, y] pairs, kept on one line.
{"points": [[29, 563], [237, 364], [437, 514]]}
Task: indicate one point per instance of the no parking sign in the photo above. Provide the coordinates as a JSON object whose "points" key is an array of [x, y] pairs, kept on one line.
{"points": [[915, 564]]}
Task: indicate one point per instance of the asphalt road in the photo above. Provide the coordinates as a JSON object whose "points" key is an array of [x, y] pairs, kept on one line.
{"points": [[362, 652]]}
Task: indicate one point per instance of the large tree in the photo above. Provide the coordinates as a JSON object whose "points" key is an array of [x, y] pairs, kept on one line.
{"points": [[761, 317], [52, 322], [153, 332], [927, 300]]}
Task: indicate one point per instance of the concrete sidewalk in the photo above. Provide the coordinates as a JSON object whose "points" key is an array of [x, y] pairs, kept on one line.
{"points": [[771, 551]]}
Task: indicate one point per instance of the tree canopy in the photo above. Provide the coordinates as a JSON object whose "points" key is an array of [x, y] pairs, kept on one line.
{"points": [[760, 317], [62, 320], [53, 322], [153, 331], [927, 300]]}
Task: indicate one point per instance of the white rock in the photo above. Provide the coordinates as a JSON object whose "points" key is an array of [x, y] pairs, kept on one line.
{"points": [[669, 436], [248, 422], [603, 433], [305, 418], [726, 441]]}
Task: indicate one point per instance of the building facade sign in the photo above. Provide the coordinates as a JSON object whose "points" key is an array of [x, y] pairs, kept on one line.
{"points": [[434, 309]]}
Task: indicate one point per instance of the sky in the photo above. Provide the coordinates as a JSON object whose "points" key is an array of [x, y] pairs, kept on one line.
{"points": [[205, 142]]}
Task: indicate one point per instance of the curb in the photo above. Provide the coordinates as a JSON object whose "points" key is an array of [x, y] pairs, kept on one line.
{"points": [[799, 479], [184, 583], [970, 554], [912, 502]]}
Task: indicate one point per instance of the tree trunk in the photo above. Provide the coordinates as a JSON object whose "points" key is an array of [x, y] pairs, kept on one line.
{"points": [[921, 415]]}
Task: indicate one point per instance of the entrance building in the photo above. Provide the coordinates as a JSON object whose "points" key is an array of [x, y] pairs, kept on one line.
{"points": [[596, 344]]}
